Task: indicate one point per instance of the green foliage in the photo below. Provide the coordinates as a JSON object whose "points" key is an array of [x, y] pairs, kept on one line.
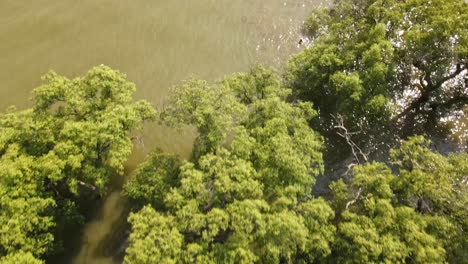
{"points": [[376, 229], [411, 216], [153, 180], [245, 197], [377, 70], [435, 184], [383, 64], [156, 238], [25, 207], [211, 109], [90, 119], [346, 71], [67, 146], [20, 258]]}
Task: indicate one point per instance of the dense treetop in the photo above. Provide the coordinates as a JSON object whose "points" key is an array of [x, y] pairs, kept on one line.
{"points": [[378, 81], [73, 140], [414, 212], [245, 196], [396, 66]]}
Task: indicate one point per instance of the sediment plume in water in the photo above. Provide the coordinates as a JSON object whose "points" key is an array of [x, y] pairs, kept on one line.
{"points": [[97, 232]]}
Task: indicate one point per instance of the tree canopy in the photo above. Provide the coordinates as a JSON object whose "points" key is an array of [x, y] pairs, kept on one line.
{"points": [[412, 212], [245, 196], [383, 66], [376, 73], [378, 81], [68, 145]]}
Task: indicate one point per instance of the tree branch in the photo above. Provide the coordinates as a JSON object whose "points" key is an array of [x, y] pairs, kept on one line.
{"points": [[428, 89], [88, 186], [348, 204], [459, 70], [347, 136], [451, 102]]}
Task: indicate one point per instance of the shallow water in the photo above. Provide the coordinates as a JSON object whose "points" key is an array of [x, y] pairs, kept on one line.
{"points": [[156, 43]]}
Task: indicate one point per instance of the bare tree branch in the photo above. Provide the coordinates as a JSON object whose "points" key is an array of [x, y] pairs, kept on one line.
{"points": [[344, 133], [88, 186], [358, 194]]}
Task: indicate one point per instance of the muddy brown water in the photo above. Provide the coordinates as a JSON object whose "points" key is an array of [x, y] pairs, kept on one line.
{"points": [[156, 43]]}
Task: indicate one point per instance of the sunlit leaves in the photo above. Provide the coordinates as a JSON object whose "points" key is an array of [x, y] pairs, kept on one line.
{"points": [[367, 57], [73, 140], [20, 257], [410, 212], [245, 195]]}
